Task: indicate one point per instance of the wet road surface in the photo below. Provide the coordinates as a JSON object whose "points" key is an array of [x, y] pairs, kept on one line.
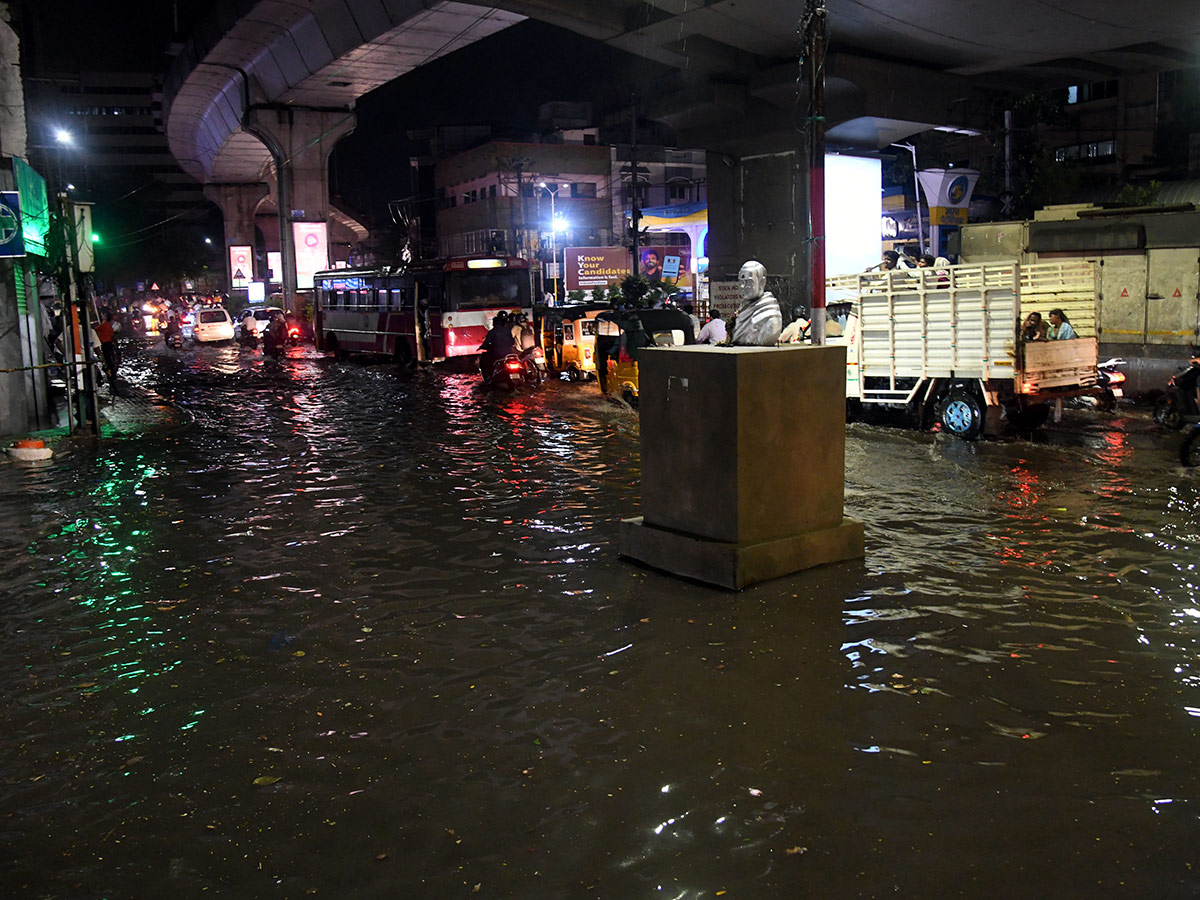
{"points": [[352, 633]]}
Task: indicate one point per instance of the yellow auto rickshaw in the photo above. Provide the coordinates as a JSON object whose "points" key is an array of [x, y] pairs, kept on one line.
{"points": [[620, 337]]}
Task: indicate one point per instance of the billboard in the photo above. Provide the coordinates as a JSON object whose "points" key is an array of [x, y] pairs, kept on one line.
{"points": [[274, 265], [241, 268], [35, 207], [593, 267], [312, 251], [670, 265]]}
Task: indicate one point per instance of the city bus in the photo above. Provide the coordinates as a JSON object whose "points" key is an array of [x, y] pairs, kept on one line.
{"points": [[374, 311]]}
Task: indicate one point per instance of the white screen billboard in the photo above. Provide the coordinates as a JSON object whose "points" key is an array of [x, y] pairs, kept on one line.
{"points": [[853, 209], [312, 251]]}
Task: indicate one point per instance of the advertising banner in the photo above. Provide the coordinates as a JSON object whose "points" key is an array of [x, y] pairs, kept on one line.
{"points": [[12, 239], [275, 265], [241, 269], [312, 251], [593, 267], [672, 265]]}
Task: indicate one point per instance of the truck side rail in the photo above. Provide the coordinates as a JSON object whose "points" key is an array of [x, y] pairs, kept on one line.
{"points": [[1071, 285], [956, 322]]}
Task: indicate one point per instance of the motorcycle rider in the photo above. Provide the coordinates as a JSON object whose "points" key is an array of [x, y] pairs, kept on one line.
{"points": [[249, 336], [498, 344], [275, 339], [173, 333]]}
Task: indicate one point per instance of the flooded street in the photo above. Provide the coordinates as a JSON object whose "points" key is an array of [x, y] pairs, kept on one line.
{"points": [[358, 634]]}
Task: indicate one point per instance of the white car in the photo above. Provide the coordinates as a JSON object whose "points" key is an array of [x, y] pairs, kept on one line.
{"points": [[212, 324], [262, 316]]}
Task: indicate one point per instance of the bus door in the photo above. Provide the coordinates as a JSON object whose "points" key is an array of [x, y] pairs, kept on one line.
{"points": [[429, 310]]}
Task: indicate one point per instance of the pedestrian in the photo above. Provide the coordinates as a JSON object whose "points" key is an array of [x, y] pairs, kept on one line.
{"points": [[713, 331], [691, 314], [106, 335]]}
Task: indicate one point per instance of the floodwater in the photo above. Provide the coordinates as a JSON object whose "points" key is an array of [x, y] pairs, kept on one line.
{"points": [[357, 634]]}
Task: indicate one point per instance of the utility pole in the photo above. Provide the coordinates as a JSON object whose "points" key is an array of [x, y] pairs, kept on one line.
{"points": [[814, 26], [634, 213]]}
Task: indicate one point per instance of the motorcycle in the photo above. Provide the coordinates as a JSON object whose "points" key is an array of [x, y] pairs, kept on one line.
{"points": [[175, 340], [535, 361], [1177, 407], [510, 371], [1110, 380], [248, 338]]}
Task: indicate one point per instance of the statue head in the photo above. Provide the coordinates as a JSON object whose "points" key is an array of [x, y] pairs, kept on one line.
{"points": [[752, 279]]}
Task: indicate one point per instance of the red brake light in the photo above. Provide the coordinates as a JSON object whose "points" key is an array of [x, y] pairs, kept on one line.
{"points": [[1116, 377], [513, 366]]}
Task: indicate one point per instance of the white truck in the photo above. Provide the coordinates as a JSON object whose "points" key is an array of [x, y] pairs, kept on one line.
{"points": [[945, 344]]}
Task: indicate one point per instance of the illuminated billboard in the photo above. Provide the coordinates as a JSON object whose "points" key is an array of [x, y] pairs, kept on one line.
{"points": [[593, 267], [312, 251], [241, 265], [854, 205], [35, 208]]}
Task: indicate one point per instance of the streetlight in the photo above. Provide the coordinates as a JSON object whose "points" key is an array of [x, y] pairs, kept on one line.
{"points": [[554, 229]]}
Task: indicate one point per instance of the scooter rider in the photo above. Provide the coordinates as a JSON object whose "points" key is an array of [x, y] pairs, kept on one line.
{"points": [[275, 339], [498, 344]]}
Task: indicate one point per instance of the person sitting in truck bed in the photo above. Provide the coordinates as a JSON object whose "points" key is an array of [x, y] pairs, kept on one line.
{"points": [[1033, 328], [1060, 327]]}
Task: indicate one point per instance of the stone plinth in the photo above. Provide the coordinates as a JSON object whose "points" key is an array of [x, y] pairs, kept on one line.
{"points": [[743, 463]]}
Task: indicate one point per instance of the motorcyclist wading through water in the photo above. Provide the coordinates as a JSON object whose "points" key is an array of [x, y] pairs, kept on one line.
{"points": [[275, 339], [498, 344]]}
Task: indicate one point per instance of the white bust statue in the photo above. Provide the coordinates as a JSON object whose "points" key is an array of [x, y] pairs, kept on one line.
{"points": [[759, 321]]}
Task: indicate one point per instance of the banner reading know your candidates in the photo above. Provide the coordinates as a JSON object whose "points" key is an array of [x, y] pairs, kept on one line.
{"points": [[593, 267]]}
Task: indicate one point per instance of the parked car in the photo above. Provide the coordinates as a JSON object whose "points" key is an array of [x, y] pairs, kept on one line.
{"points": [[212, 324], [262, 316]]}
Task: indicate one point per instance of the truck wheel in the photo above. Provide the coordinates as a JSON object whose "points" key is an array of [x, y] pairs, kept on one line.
{"points": [[630, 398], [853, 409], [1189, 453], [574, 374], [962, 414]]}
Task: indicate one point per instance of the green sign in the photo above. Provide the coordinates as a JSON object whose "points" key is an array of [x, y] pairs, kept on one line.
{"points": [[35, 210]]}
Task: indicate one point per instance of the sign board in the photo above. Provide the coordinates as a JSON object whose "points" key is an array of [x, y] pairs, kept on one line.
{"points": [[552, 270], [141, 286], [12, 238], [35, 206], [723, 295], [594, 267], [312, 251], [81, 214], [256, 292], [189, 285], [947, 215], [154, 286], [240, 265], [653, 268], [274, 265]]}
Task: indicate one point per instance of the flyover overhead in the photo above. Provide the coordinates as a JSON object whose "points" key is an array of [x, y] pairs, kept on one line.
{"points": [[304, 54]]}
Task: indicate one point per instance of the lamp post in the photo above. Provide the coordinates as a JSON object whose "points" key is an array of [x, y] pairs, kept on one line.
{"points": [[553, 235]]}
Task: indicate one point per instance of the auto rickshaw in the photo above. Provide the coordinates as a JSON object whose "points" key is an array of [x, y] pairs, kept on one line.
{"points": [[620, 337]]}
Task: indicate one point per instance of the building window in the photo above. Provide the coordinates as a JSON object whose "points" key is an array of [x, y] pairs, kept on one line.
{"points": [[678, 190], [1093, 151], [583, 189], [1097, 90]]}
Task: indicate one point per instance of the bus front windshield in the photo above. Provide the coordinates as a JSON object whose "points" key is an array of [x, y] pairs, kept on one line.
{"points": [[469, 290]]}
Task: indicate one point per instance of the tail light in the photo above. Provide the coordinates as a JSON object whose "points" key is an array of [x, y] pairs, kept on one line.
{"points": [[1116, 377], [537, 353], [293, 332], [513, 365]]}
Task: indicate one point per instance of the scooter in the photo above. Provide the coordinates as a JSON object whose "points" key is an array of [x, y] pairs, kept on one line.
{"points": [[175, 340], [248, 338], [535, 362], [510, 371], [1110, 380]]}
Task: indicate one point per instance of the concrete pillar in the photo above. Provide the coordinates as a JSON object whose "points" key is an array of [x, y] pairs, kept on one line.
{"points": [[237, 203], [758, 209], [300, 141]]}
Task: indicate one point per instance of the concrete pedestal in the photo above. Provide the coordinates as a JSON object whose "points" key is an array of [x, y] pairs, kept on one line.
{"points": [[743, 463]]}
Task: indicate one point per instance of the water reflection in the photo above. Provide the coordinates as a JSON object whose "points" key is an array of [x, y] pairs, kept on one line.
{"points": [[361, 633]]}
